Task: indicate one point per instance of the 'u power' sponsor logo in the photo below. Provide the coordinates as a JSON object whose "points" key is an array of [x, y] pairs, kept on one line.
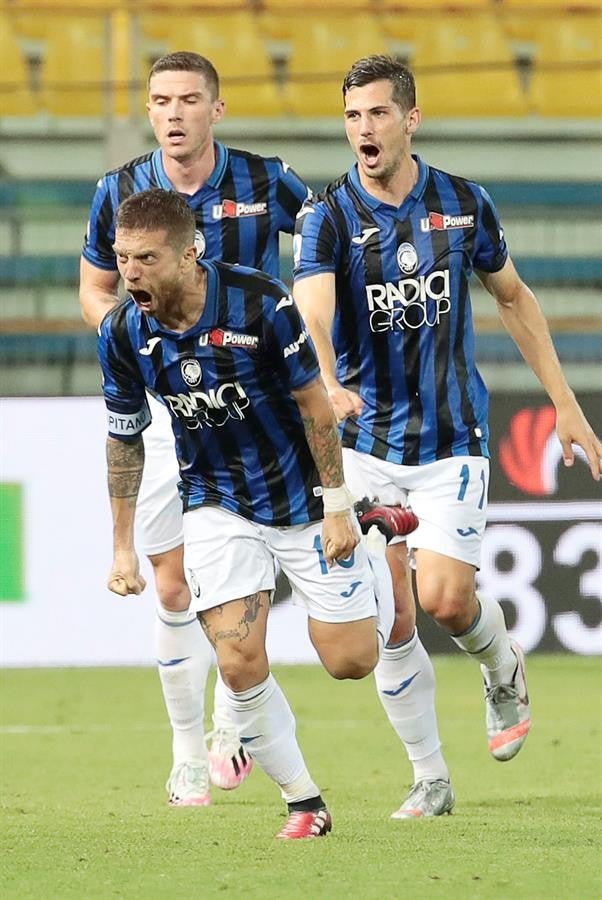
{"points": [[411, 303], [218, 337], [439, 222], [230, 209]]}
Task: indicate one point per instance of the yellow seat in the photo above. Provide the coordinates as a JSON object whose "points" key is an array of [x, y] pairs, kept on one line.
{"points": [[233, 43], [428, 6], [320, 51], [552, 6], [310, 6], [16, 98], [567, 74], [76, 72], [464, 67]]}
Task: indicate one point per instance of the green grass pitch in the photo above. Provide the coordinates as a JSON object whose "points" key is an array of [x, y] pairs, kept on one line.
{"points": [[85, 753]]}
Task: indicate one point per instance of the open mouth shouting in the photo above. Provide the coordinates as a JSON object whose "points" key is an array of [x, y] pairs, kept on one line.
{"points": [[369, 154], [142, 299]]}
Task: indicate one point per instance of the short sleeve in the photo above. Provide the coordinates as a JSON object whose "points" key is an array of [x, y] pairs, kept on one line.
{"points": [[490, 250], [100, 233], [128, 413], [316, 245]]}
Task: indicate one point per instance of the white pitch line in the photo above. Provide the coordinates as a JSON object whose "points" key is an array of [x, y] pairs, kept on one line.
{"points": [[75, 729]]}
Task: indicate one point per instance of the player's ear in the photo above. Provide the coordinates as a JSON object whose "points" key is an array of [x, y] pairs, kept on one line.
{"points": [[219, 108], [189, 256], [413, 120]]}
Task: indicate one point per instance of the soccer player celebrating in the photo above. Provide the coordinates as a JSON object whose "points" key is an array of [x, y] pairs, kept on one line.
{"points": [[261, 473], [382, 263], [241, 203]]}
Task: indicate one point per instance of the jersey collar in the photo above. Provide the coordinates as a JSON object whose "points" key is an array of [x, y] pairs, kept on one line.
{"points": [[374, 203], [221, 161]]}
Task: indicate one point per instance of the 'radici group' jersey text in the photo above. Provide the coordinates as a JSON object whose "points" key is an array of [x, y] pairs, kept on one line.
{"points": [[403, 330], [227, 384], [240, 210]]}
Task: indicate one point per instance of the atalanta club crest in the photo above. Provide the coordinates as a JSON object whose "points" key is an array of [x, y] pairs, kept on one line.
{"points": [[407, 258], [191, 372]]}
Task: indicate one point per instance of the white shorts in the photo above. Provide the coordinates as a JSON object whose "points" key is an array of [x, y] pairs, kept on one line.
{"points": [[159, 510], [227, 557], [448, 496]]}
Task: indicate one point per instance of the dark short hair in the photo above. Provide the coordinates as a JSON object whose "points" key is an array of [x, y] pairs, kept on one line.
{"points": [[383, 68], [186, 61], [158, 210]]}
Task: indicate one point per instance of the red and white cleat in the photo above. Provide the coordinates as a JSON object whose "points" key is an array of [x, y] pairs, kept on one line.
{"points": [[314, 823], [392, 521]]}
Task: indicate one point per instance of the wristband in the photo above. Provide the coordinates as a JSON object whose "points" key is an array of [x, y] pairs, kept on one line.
{"points": [[336, 500]]}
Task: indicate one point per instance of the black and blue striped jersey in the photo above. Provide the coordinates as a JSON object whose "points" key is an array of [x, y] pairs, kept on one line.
{"points": [[403, 330], [240, 210], [227, 384]]}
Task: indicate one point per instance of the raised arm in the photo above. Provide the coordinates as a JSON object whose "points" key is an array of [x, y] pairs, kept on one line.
{"points": [[339, 536], [97, 292], [125, 463], [524, 320], [316, 298]]}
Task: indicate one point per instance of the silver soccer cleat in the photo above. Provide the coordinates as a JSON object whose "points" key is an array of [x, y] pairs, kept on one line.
{"points": [[508, 716], [427, 798]]}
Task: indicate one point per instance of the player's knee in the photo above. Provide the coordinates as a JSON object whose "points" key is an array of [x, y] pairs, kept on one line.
{"points": [[241, 667], [447, 605], [173, 594], [353, 668]]}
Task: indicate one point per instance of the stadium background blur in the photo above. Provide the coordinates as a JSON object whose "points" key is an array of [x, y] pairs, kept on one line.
{"points": [[511, 92]]}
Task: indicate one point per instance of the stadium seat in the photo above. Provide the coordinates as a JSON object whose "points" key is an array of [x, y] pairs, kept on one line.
{"points": [[233, 43], [297, 6], [428, 6], [74, 54], [16, 98], [548, 6], [464, 67], [319, 51], [567, 74]]}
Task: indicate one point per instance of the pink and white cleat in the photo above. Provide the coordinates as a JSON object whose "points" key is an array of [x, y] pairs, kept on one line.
{"points": [[188, 785], [229, 762]]}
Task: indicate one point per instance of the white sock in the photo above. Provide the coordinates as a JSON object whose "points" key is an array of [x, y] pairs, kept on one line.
{"points": [[266, 726], [183, 655], [221, 712], [405, 682], [488, 641], [385, 601]]}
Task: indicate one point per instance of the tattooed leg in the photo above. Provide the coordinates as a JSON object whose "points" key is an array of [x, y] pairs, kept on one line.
{"points": [[237, 630]]}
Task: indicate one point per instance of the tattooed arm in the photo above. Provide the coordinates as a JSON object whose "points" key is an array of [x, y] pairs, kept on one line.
{"points": [[339, 536], [125, 463]]}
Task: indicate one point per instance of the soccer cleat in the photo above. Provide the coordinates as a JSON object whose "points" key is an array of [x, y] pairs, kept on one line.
{"points": [[508, 715], [427, 798], [229, 763], [188, 785], [314, 823], [392, 521]]}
